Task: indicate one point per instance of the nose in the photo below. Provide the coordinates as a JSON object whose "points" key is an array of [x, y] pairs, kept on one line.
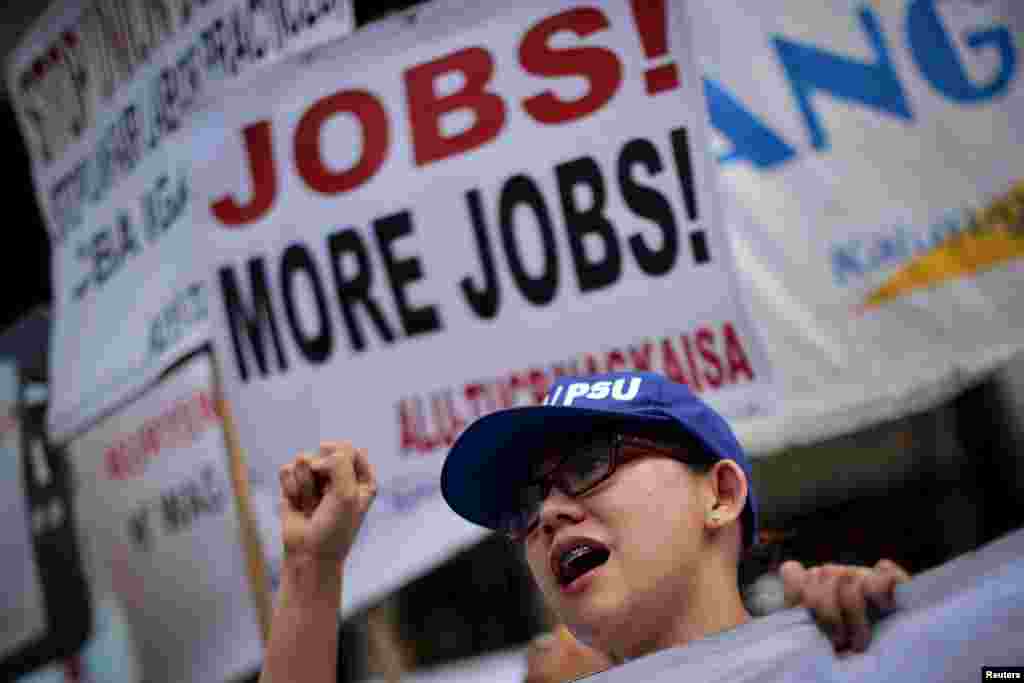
{"points": [[558, 510]]}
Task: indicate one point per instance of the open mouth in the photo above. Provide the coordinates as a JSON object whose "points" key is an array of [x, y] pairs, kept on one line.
{"points": [[577, 559]]}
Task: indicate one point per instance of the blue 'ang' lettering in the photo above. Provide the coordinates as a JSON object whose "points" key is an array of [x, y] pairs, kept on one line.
{"points": [[811, 70]]}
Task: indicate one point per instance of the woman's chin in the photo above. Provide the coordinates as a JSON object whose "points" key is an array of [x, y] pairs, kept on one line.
{"points": [[595, 618]]}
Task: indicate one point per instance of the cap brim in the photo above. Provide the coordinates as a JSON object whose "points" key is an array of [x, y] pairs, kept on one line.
{"points": [[493, 455]]}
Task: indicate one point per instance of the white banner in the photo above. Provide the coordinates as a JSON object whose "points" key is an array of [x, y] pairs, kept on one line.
{"points": [[22, 612], [101, 89], [950, 622], [491, 197], [873, 163], [501, 666], [157, 508]]}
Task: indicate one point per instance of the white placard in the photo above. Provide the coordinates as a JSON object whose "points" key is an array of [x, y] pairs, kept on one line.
{"points": [[502, 666], [101, 90], [156, 505], [431, 219], [949, 623]]}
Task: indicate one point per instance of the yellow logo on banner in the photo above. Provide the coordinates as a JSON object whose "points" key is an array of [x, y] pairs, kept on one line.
{"points": [[994, 235]]}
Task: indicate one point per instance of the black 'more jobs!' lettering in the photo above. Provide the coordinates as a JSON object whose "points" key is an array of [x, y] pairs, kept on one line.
{"points": [[588, 223], [484, 302], [521, 195], [527, 239], [252, 323], [593, 238], [253, 319], [354, 288], [684, 165], [298, 261], [402, 273], [646, 202]]}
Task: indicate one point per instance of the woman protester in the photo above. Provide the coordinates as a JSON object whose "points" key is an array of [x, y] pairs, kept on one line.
{"points": [[632, 502]]}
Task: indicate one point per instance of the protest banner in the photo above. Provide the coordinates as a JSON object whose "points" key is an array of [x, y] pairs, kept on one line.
{"points": [[948, 623], [870, 156], [433, 218], [157, 508], [101, 89], [502, 666]]}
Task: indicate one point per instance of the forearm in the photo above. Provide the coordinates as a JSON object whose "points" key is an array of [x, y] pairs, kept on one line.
{"points": [[303, 643]]}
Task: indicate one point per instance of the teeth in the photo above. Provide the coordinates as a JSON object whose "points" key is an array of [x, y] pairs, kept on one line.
{"points": [[578, 559], [574, 553]]}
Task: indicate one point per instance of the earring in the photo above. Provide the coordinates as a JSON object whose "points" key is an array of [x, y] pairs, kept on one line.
{"points": [[713, 516]]}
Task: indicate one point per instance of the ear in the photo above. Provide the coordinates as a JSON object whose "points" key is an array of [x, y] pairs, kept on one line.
{"points": [[728, 489]]}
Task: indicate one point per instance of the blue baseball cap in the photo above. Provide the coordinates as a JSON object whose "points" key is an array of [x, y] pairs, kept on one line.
{"points": [[491, 458]]}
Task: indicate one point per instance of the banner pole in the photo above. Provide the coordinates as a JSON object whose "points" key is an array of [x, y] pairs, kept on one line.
{"points": [[251, 542], [388, 653]]}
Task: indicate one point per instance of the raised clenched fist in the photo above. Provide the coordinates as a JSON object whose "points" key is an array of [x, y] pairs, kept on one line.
{"points": [[324, 498]]}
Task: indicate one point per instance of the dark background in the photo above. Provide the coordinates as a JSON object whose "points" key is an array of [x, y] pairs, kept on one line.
{"points": [[25, 277]]}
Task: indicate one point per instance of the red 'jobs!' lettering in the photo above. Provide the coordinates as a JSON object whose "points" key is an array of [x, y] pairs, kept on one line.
{"points": [[374, 121], [598, 65], [259, 149], [651, 22], [426, 108]]}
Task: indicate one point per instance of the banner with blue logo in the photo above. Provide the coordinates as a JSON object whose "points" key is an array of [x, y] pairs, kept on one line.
{"points": [[871, 160]]}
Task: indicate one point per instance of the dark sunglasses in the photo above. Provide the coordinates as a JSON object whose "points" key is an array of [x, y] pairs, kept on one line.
{"points": [[586, 463]]}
